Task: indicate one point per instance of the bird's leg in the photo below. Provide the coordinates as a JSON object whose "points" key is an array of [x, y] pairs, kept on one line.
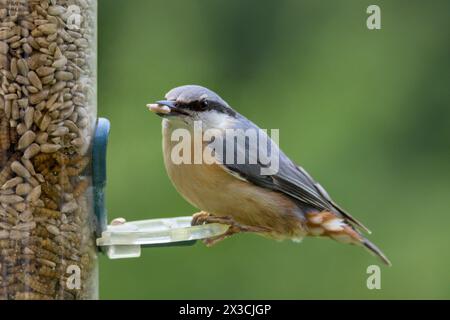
{"points": [[234, 227], [207, 218]]}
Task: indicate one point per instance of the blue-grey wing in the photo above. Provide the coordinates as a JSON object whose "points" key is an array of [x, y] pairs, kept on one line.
{"points": [[285, 176]]}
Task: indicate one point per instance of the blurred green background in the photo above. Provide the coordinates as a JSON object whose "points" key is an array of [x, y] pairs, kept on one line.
{"points": [[366, 112]]}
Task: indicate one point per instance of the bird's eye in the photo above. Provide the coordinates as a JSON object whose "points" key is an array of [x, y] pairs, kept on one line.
{"points": [[197, 106]]}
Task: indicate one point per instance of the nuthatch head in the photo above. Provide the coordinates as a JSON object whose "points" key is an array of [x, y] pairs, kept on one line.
{"points": [[236, 189], [193, 103]]}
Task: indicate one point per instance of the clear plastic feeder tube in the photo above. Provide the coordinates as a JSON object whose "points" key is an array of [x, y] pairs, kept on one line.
{"points": [[47, 119]]}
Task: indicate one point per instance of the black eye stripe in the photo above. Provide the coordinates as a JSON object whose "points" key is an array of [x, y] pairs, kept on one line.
{"points": [[199, 106], [196, 106]]}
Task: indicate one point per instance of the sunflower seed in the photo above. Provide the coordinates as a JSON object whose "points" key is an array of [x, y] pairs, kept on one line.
{"points": [[42, 137], [32, 151], [50, 148], [34, 79], [23, 189], [45, 71], [26, 139], [53, 230], [48, 28], [20, 170], [34, 195], [29, 117], [12, 183], [10, 199]]}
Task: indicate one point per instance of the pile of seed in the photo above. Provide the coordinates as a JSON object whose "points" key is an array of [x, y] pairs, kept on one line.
{"points": [[47, 115]]}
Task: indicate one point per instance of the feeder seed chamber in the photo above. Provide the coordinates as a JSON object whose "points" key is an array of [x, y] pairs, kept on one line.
{"points": [[53, 221]]}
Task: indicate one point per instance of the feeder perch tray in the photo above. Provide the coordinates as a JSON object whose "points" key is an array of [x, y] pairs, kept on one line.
{"points": [[126, 240]]}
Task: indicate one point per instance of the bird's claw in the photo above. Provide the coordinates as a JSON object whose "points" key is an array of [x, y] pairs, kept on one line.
{"points": [[200, 218], [234, 227]]}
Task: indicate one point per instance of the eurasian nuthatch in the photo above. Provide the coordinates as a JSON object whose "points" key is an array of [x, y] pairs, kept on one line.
{"points": [[285, 203]]}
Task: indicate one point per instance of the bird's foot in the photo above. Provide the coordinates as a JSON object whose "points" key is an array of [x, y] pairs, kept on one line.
{"points": [[200, 218], [234, 227]]}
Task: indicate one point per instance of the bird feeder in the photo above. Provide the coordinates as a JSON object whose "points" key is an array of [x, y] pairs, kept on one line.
{"points": [[53, 221]]}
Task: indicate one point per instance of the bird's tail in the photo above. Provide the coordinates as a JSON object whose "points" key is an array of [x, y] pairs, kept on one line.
{"points": [[328, 224], [373, 249]]}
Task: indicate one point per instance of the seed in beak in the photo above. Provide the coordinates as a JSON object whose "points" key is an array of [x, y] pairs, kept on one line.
{"points": [[158, 108]]}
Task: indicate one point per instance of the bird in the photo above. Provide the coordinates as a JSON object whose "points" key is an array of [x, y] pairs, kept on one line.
{"points": [[281, 204]]}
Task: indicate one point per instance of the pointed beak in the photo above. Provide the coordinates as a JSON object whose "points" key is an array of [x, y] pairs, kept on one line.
{"points": [[167, 103], [161, 107], [165, 107]]}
